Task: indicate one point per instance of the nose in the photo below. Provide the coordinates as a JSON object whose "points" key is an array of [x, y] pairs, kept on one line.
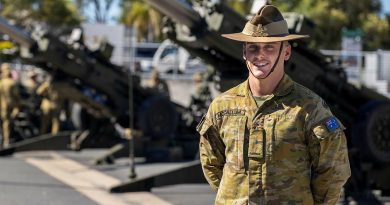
{"points": [[258, 56]]}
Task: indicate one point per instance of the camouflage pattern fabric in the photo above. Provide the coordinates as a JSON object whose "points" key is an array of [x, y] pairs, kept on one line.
{"points": [[290, 150], [51, 105], [9, 105], [54, 94]]}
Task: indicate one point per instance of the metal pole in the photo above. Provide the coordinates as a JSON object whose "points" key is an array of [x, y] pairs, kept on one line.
{"points": [[132, 174]]}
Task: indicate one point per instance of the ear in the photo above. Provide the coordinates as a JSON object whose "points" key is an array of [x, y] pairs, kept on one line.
{"points": [[287, 51]]}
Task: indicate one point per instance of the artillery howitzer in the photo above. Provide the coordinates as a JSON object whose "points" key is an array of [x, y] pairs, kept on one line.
{"points": [[198, 26], [99, 86]]}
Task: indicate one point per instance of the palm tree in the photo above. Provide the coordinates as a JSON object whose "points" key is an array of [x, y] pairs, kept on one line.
{"points": [[241, 6], [54, 13], [140, 15]]}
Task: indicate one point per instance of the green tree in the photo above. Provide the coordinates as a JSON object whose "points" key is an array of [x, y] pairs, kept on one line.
{"points": [[331, 16], [376, 32], [53, 12], [242, 6], [101, 9], [147, 21]]}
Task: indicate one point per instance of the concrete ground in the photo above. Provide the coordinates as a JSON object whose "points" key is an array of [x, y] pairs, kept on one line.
{"points": [[67, 177]]}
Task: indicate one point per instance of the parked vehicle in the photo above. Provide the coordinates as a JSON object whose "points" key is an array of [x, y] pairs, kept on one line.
{"points": [[170, 58]]}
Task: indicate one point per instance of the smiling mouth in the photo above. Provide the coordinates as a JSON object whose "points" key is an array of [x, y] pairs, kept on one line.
{"points": [[261, 65]]}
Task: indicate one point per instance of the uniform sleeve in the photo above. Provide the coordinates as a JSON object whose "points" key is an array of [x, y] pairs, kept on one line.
{"points": [[329, 159], [42, 89], [211, 150], [1, 90]]}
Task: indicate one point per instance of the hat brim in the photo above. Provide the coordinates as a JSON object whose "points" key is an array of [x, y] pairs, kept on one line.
{"points": [[246, 38]]}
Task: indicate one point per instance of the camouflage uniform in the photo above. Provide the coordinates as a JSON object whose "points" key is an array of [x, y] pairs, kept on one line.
{"points": [[31, 83], [55, 93], [290, 150], [9, 102], [51, 105]]}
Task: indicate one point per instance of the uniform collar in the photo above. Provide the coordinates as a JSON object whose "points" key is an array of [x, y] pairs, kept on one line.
{"points": [[285, 86]]}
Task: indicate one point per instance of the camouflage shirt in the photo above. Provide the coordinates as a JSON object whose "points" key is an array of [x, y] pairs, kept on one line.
{"points": [[9, 97], [290, 150]]}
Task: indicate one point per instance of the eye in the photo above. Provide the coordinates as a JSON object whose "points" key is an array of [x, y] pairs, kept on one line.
{"points": [[269, 47], [253, 48]]}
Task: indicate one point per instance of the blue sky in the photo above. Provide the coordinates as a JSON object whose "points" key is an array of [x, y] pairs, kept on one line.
{"points": [[115, 10], [385, 6]]}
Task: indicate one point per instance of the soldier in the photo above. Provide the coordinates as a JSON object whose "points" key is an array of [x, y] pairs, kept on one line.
{"points": [[158, 84], [57, 91], [31, 84], [270, 140], [9, 102], [51, 105], [201, 99], [202, 91]]}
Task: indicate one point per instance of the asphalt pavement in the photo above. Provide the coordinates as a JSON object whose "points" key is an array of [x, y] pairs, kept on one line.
{"points": [[69, 177]]}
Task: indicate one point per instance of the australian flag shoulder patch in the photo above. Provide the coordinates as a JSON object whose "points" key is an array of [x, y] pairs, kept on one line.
{"points": [[332, 124]]}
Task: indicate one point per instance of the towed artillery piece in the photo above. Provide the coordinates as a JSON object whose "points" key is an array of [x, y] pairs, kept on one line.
{"points": [[112, 95], [198, 25]]}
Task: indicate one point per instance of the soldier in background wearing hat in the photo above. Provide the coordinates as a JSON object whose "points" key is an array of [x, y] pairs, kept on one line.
{"points": [[52, 91], [31, 83], [9, 102], [270, 140], [201, 99], [202, 91], [157, 84]]}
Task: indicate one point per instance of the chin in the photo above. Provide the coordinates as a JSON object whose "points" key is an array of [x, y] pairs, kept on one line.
{"points": [[259, 74]]}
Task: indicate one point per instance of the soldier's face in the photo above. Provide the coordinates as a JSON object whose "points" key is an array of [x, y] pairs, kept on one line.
{"points": [[260, 57]]}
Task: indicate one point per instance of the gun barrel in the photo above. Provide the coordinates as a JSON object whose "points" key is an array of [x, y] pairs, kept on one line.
{"points": [[177, 10], [16, 34]]}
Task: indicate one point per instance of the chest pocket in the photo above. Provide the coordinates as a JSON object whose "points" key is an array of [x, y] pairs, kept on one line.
{"points": [[233, 133], [289, 139]]}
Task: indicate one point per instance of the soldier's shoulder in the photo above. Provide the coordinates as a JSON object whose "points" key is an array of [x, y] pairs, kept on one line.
{"points": [[8, 82], [310, 101], [316, 108], [306, 94], [225, 100], [229, 95]]}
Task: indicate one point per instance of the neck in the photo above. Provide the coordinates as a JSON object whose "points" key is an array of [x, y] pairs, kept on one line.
{"points": [[261, 87]]}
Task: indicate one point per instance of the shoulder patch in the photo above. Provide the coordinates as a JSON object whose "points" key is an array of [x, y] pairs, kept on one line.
{"points": [[332, 124]]}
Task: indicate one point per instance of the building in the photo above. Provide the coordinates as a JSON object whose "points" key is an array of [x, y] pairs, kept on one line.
{"points": [[126, 50], [374, 68]]}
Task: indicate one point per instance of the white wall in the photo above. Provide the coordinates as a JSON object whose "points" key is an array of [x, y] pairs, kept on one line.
{"points": [[115, 35]]}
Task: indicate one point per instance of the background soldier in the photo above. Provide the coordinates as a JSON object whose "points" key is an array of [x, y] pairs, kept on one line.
{"points": [[270, 140], [157, 84], [52, 103], [9, 102], [201, 99], [31, 84]]}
